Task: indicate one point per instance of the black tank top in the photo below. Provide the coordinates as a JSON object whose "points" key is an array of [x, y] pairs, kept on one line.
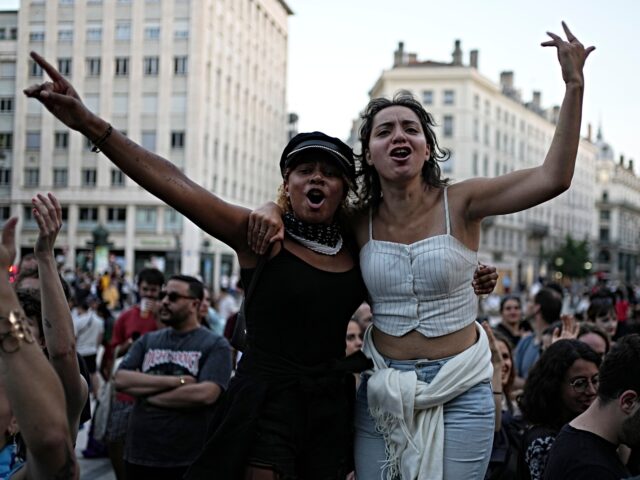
{"points": [[300, 312]]}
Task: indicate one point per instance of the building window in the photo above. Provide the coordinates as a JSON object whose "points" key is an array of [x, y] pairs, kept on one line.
{"points": [[150, 104], [604, 234], [427, 97], [6, 104], [88, 214], [448, 126], [31, 177], [116, 214], [6, 141], [151, 65], [180, 65], [93, 66], [605, 196], [64, 66], [122, 66], [94, 34], [449, 97], [476, 102], [475, 166], [8, 69], [5, 176], [89, 176], [181, 34], [152, 33], [172, 220], [146, 218], [117, 178], [35, 70], [33, 141], [13, 34], [123, 31], [61, 140], [604, 214], [60, 177], [65, 35], [177, 139], [5, 213], [36, 36], [148, 140]]}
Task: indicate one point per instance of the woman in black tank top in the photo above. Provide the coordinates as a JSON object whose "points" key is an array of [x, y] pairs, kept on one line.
{"points": [[286, 413]]}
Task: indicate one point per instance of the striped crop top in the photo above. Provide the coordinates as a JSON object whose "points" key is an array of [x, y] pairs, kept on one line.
{"points": [[423, 286]]}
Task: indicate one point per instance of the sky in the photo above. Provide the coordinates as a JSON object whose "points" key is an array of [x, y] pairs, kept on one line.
{"points": [[339, 48]]}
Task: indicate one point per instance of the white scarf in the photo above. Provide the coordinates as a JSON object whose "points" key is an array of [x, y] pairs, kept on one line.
{"points": [[410, 413]]}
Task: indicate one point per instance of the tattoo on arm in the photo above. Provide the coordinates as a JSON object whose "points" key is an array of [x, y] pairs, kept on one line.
{"points": [[47, 323]]}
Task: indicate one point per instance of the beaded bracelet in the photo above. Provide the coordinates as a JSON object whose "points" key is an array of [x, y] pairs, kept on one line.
{"points": [[98, 143]]}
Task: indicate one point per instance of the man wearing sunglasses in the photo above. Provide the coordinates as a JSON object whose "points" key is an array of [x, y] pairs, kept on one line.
{"points": [[588, 446], [176, 375]]}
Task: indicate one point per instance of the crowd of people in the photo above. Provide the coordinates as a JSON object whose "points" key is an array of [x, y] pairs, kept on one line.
{"points": [[363, 276]]}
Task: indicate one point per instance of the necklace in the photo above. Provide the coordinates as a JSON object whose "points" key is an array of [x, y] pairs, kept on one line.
{"points": [[319, 237]]}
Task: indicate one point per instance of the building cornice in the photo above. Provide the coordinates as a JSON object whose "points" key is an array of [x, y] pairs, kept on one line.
{"points": [[286, 7]]}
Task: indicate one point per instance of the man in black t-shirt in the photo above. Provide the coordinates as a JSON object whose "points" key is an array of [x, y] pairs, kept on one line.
{"points": [[176, 375], [587, 447]]}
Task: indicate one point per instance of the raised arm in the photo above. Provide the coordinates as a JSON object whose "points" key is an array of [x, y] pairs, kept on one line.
{"points": [[526, 188], [33, 388], [56, 316], [155, 174]]}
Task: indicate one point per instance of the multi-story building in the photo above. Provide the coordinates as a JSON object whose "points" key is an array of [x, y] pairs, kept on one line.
{"points": [[617, 246], [490, 131], [202, 83]]}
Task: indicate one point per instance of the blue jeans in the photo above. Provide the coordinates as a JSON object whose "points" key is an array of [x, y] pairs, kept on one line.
{"points": [[468, 428]]}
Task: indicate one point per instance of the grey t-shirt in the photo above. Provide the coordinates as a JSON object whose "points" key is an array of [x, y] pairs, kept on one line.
{"points": [[163, 437]]}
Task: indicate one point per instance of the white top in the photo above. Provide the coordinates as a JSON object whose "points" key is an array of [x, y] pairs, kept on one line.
{"points": [[87, 327], [423, 286]]}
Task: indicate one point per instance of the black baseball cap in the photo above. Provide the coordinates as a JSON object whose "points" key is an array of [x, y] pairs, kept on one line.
{"points": [[316, 144]]}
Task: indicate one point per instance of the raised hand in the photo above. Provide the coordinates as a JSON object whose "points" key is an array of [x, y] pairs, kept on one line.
{"points": [[485, 279], [570, 329], [48, 215], [571, 55], [58, 96], [8, 245]]}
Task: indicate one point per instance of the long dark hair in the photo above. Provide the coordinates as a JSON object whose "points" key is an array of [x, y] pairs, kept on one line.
{"points": [[370, 191], [541, 400]]}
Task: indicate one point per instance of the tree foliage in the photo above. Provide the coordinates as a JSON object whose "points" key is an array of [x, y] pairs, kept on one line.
{"points": [[571, 257]]}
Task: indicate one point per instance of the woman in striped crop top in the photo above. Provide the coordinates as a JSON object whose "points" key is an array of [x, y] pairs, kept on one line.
{"points": [[426, 410]]}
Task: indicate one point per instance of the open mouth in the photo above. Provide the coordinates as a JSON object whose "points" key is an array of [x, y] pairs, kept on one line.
{"points": [[315, 197], [400, 153]]}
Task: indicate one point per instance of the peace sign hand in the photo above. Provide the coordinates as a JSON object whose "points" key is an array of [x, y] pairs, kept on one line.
{"points": [[571, 55], [59, 96]]}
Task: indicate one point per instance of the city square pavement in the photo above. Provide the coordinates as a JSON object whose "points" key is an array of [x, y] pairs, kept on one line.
{"points": [[94, 468]]}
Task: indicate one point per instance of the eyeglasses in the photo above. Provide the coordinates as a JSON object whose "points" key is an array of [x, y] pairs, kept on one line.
{"points": [[173, 296], [580, 384]]}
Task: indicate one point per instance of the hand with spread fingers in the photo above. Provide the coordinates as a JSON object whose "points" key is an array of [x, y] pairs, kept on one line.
{"points": [[59, 97], [571, 55], [48, 215]]}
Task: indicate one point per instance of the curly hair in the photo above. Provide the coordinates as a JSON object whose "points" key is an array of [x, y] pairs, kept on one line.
{"points": [[369, 189], [541, 400]]}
